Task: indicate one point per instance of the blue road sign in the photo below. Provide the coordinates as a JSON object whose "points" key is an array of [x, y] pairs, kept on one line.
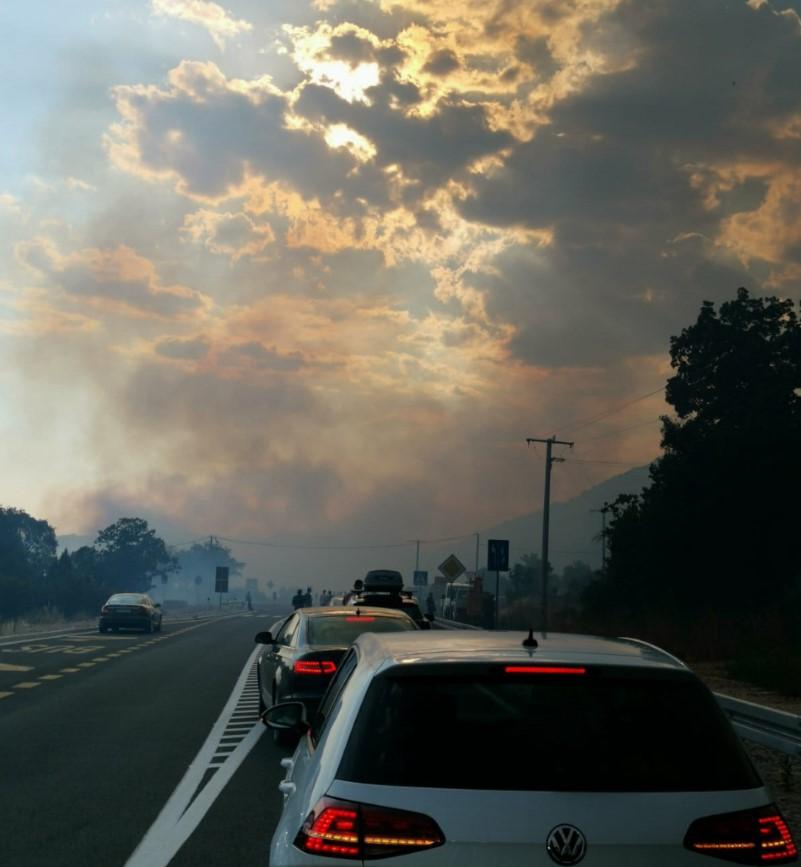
{"points": [[420, 578], [497, 555]]}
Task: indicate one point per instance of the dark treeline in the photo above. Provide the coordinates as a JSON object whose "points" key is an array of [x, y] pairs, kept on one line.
{"points": [[709, 553], [127, 555]]}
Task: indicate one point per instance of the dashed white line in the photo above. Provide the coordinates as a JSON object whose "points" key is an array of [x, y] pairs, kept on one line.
{"points": [[186, 806]]}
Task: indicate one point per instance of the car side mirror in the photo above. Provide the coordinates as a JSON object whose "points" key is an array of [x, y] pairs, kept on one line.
{"points": [[287, 716], [264, 638]]}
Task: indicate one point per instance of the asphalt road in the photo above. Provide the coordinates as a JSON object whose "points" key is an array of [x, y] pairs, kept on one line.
{"points": [[97, 731]]}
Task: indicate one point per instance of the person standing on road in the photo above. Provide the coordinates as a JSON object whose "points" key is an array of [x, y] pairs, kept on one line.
{"points": [[308, 601], [298, 600], [431, 606]]}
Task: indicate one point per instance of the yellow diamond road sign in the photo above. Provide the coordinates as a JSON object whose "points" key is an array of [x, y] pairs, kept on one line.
{"points": [[452, 567]]}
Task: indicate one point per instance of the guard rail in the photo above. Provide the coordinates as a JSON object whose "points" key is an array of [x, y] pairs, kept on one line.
{"points": [[767, 726]]}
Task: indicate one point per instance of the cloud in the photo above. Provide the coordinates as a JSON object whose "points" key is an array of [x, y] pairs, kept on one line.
{"points": [[211, 16], [193, 349], [260, 356], [234, 235], [117, 280]]}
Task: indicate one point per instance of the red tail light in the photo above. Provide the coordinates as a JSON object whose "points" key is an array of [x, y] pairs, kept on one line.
{"points": [[343, 829], [359, 619], [758, 836], [544, 669], [314, 666]]}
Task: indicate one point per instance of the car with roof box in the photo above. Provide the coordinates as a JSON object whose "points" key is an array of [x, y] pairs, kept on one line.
{"points": [[384, 588], [560, 749], [302, 651]]}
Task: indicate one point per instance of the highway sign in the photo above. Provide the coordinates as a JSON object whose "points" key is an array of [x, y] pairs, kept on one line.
{"points": [[221, 580], [452, 567], [497, 555], [420, 578]]}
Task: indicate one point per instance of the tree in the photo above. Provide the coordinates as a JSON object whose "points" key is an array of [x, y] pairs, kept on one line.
{"points": [[716, 529], [130, 556], [525, 578], [201, 561], [27, 545]]}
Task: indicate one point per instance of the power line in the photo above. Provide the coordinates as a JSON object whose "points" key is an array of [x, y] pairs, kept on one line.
{"points": [[587, 421], [622, 430]]}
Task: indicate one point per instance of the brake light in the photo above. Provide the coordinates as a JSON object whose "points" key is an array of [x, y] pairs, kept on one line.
{"points": [[359, 619], [758, 836], [343, 829], [544, 669], [314, 666]]}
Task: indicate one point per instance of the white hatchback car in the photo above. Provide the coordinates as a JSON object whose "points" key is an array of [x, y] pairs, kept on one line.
{"points": [[477, 748]]}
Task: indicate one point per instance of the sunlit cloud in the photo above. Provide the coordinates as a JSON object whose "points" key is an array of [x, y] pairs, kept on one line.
{"points": [[229, 234], [211, 16]]}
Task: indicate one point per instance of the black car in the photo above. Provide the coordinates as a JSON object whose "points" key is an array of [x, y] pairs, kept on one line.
{"points": [[130, 611], [383, 588], [303, 654]]}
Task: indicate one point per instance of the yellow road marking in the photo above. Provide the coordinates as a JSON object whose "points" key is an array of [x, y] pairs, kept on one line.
{"points": [[27, 684], [5, 694], [50, 677], [85, 664], [69, 670], [7, 666]]}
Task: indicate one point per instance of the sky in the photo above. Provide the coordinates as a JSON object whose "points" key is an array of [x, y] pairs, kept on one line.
{"points": [[311, 272]]}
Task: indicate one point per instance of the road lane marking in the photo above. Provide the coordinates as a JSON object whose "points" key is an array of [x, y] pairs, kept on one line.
{"points": [[186, 807], [85, 664], [51, 677], [5, 694], [100, 659], [27, 684], [7, 666], [70, 670]]}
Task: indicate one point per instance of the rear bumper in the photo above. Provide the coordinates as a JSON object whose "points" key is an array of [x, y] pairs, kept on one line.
{"points": [[125, 622]]}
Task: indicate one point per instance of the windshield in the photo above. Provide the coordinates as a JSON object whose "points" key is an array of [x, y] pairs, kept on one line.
{"points": [[127, 599], [606, 733], [345, 629]]}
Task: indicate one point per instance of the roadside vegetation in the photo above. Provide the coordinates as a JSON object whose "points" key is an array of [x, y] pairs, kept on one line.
{"points": [[39, 586], [706, 559]]}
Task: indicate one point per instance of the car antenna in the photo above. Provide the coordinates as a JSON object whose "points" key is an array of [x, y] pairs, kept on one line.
{"points": [[531, 641]]}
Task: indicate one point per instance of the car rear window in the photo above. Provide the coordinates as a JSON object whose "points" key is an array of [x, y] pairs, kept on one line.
{"points": [[604, 731], [127, 599], [346, 628]]}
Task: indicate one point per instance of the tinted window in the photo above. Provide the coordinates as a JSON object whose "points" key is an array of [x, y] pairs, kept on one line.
{"points": [[598, 732], [345, 629], [332, 694], [288, 631], [127, 599]]}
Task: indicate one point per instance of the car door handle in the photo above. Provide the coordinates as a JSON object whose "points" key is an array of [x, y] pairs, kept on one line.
{"points": [[286, 788], [287, 763]]}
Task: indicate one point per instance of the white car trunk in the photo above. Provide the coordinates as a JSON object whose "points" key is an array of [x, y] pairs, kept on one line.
{"points": [[510, 829]]}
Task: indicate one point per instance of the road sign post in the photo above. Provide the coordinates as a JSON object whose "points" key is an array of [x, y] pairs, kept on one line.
{"points": [[221, 581], [497, 562]]}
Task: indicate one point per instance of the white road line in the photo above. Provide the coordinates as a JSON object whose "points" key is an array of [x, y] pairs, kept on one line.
{"points": [[181, 815]]}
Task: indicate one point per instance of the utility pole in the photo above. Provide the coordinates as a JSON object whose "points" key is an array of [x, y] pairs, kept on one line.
{"points": [[546, 515], [603, 512], [417, 553], [477, 541]]}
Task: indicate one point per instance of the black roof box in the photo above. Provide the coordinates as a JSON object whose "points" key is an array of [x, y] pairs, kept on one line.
{"points": [[383, 579]]}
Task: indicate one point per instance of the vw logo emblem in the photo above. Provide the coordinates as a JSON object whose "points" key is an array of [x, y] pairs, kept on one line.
{"points": [[566, 844]]}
